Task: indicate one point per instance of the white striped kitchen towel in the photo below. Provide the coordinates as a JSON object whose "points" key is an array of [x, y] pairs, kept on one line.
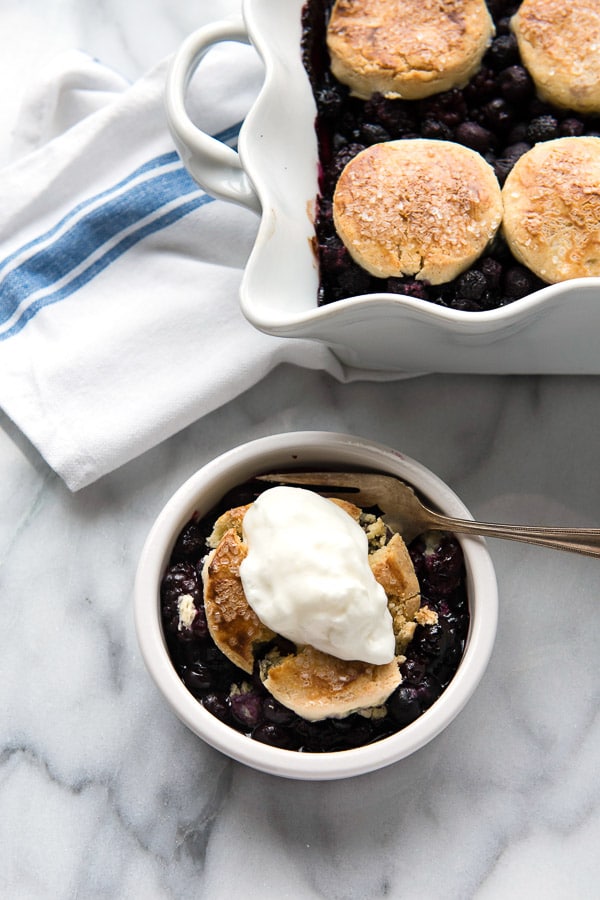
{"points": [[119, 313]]}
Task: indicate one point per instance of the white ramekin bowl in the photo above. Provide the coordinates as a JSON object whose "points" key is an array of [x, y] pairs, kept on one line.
{"points": [[299, 450]]}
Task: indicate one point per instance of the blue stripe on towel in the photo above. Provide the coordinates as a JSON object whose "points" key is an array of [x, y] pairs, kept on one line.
{"points": [[159, 161], [103, 223], [95, 233], [100, 264]]}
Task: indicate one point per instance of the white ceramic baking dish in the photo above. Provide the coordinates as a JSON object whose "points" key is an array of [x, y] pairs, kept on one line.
{"points": [[555, 330]]}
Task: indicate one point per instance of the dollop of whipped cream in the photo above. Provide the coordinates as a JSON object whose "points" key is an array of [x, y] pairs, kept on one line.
{"points": [[307, 576]]}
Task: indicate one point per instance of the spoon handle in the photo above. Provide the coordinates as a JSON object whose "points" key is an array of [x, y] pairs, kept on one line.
{"points": [[575, 540]]}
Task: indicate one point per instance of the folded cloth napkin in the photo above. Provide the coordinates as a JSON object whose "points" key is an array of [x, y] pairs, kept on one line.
{"points": [[119, 313]]}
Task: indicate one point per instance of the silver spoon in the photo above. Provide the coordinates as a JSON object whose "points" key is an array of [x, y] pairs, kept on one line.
{"points": [[403, 511]]}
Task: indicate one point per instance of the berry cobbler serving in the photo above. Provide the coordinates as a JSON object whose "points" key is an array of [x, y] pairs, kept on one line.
{"points": [[292, 631], [493, 80], [304, 624]]}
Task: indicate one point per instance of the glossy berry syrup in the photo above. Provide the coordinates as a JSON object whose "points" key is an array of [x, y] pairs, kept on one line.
{"points": [[241, 701], [497, 114]]}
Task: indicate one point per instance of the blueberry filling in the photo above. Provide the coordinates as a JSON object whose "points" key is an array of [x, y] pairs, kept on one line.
{"points": [[242, 702], [497, 114]]}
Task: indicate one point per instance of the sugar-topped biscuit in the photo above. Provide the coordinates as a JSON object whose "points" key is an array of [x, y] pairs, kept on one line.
{"points": [[552, 209], [559, 44], [407, 48], [234, 626], [417, 207]]}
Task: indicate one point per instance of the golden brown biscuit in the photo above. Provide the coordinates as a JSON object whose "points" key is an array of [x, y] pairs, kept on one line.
{"points": [[552, 209], [316, 685], [417, 207], [234, 626], [559, 42], [407, 48]]}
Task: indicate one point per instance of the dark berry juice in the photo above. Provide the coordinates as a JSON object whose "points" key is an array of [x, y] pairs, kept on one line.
{"points": [[497, 114], [242, 702]]}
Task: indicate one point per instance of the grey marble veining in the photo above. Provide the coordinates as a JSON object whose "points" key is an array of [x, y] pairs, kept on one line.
{"points": [[104, 794]]}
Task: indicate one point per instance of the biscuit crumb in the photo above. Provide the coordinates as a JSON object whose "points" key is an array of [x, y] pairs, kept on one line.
{"points": [[426, 616]]}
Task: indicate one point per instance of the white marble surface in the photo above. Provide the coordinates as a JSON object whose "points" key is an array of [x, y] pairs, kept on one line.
{"points": [[105, 795]]}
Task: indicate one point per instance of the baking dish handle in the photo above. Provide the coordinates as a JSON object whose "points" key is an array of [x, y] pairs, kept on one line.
{"points": [[215, 166]]}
